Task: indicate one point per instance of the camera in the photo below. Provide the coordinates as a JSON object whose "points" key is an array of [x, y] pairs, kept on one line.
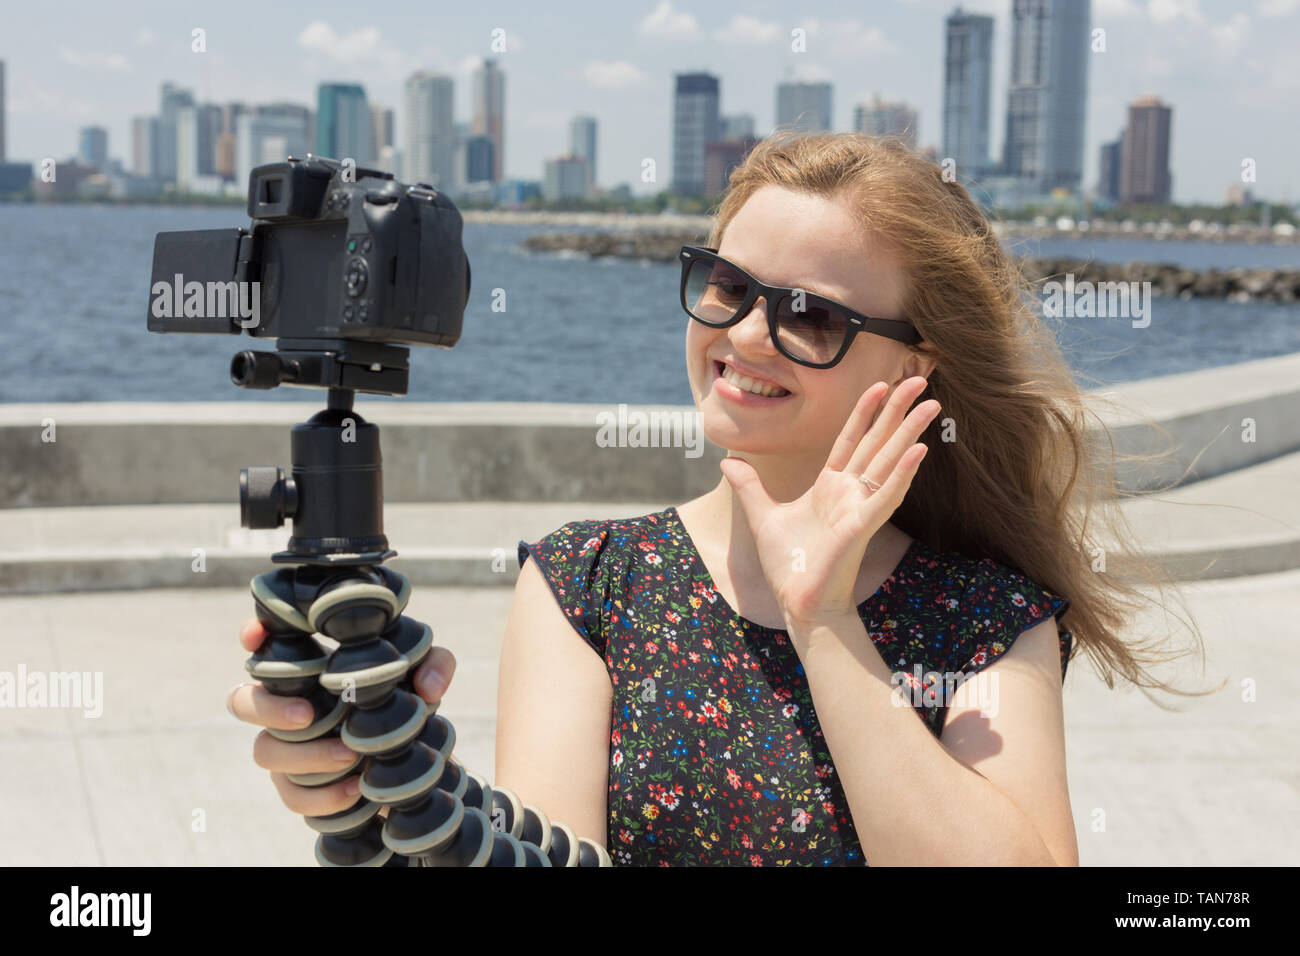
{"points": [[339, 260]]}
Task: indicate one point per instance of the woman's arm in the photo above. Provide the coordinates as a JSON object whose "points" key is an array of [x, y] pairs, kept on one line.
{"points": [[992, 792], [554, 701]]}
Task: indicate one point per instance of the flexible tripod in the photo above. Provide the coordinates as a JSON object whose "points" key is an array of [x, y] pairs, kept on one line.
{"points": [[439, 814]]}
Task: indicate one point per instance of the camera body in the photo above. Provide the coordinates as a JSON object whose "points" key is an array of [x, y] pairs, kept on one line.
{"points": [[335, 252]]}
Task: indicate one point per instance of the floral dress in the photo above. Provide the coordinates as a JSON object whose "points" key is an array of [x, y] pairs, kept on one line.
{"points": [[716, 754]]}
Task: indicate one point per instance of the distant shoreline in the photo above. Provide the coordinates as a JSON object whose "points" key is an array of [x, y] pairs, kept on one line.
{"points": [[675, 222], [1165, 279]]}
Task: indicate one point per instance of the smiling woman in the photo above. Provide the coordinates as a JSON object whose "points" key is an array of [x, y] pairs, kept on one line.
{"points": [[805, 664], [829, 581]]}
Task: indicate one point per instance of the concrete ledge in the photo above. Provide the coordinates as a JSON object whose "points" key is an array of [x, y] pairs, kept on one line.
{"points": [[1203, 412], [117, 453]]}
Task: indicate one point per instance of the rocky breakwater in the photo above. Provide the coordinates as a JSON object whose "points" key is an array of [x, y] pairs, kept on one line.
{"points": [[1240, 285]]}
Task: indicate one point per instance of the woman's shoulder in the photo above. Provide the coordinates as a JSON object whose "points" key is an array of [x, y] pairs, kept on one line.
{"points": [[598, 538], [585, 562], [989, 604]]}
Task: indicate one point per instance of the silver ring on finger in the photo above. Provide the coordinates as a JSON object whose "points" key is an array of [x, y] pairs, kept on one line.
{"points": [[872, 487], [230, 697]]}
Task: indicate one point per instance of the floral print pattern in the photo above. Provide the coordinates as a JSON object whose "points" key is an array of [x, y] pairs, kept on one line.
{"points": [[716, 755]]}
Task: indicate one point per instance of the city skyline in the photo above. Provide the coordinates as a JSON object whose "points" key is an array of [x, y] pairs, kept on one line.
{"points": [[629, 91]]}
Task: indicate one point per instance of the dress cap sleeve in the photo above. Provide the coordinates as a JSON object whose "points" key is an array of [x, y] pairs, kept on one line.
{"points": [[998, 606], [577, 564]]}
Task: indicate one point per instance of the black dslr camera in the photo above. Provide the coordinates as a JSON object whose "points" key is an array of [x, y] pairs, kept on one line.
{"points": [[344, 266]]}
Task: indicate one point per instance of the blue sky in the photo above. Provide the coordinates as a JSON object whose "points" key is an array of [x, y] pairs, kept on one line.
{"points": [[1229, 69]]}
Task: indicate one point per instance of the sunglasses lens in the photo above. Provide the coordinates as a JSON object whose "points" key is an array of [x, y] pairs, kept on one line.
{"points": [[809, 330], [714, 291]]}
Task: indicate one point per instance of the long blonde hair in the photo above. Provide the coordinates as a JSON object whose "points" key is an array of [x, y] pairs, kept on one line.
{"points": [[1024, 483]]}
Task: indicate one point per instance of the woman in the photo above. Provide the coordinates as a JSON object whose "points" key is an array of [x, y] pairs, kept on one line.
{"points": [[762, 653]]}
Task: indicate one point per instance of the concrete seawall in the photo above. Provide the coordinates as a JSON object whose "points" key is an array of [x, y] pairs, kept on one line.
{"points": [[154, 453], [129, 496]]}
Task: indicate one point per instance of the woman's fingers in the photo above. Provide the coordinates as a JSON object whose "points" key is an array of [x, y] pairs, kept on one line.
{"points": [[316, 801], [886, 425], [252, 634], [254, 704], [434, 674], [857, 425], [309, 756]]}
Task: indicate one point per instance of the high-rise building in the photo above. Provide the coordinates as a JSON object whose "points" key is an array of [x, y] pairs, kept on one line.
{"points": [[144, 145], [345, 128], [721, 157], [187, 148], [489, 90], [1047, 95], [225, 158], [171, 101], [582, 142], [430, 130], [382, 120], [564, 177], [210, 121], [738, 126], [93, 147], [1108, 169], [478, 159], [967, 87], [884, 118], [804, 106], [271, 134], [1144, 167], [696, 122]]}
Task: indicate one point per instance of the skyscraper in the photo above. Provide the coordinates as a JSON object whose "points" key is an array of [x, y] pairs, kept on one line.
{"points": [[695, 123], [582, 142], [430, 130], [489, 89], [382, 119], [1112, 155], [738, 126], [1047, 96], [967, 84], [172, 100], [1144, 164], [344, 126], [804, 106], [144, 145], [884, 118], [270, 135], [93, 147]]}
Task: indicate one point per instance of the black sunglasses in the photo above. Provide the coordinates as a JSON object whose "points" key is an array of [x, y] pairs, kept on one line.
{"points": [[806, 328]]}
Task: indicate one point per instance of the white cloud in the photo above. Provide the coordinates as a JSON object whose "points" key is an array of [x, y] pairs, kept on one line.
{"points": [[466, 65], [1166, 11], [1230, 37], [110, 61], [664, 21], [356, 47], [1115, 9], [851, 39], [743, 29], [616, 75], [1278, 8]]}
